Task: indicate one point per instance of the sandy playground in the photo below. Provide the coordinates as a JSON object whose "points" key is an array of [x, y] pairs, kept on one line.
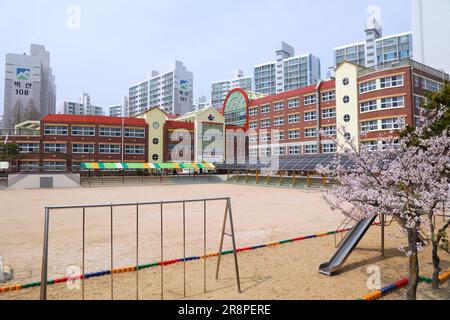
{"points": [[261, 215]]}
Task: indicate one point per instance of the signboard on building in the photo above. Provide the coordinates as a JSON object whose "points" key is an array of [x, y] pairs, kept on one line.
{"points": [[184, 90], [4, 165]]}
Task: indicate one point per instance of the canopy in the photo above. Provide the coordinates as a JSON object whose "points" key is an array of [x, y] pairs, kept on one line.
{"points": [[132, 166]]}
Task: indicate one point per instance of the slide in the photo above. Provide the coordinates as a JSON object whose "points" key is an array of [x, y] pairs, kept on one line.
{"points": [[348, 245]]}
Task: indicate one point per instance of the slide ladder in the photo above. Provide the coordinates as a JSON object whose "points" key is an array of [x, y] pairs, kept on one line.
{"points": [[347, 246]]}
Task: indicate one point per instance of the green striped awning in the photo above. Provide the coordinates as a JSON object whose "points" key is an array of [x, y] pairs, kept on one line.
{"points": [[133, 166]]}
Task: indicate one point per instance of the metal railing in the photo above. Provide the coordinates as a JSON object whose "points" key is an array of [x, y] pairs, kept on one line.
{"points": [[228, 215], [404, 62]]}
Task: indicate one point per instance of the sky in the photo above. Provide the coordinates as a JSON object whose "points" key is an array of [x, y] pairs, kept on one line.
{"points": [[116, 43]]}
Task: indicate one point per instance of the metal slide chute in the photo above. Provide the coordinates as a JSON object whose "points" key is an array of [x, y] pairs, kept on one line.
{"points": [[347, 246]]}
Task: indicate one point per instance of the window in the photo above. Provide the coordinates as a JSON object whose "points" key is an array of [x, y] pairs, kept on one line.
{"points": [[278, 121], [265, 151], [389, 82], [370, 145], [82, 148], [279, 151], [265, 109], [328, 96], [346, 99], [369, 126], [253, 138], [265, 123], [110, 132], [311, 149], [253, 152], [368, 106], [55, 147], [311, 133], [109, 149], [54, 165], [329, 148], [28, 147], [294, 134], [278, 136], [345, 81], [253, 112], [134, 133], [347, 118], [390, 124], [310, 116], [155, 157], [329, 130], [83, 131], [367, 86], [329, 113], [155, 141], [431, 85], [310, 99], [294, 150], [253, 125], [265, 137], [395, 102], [293, 103], [51, 130], [294, 118], [29, 165], [134, 149], [278, 106]]}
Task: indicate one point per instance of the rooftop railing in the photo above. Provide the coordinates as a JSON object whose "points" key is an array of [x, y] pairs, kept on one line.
{"points": [[402, 63], [19, 133]]}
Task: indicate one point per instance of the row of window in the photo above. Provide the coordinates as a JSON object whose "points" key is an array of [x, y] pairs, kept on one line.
{"points": [[292, 134], [293, 150], [81, 148], [384, 124], [383, 104], [56, 130], [293, 118], [383, 83], [293, 103]]}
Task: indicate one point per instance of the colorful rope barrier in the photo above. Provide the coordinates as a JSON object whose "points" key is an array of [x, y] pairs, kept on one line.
{"points": [[378, 294], [165, 263]]}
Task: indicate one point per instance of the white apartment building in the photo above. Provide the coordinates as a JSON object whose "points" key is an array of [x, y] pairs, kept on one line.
{"points": [[172, 92], [287, 72], [82, 107], [119, 110], [115, 111], [220, 89], [431, 32], [376, 49], [201, 103], [30, 90]]}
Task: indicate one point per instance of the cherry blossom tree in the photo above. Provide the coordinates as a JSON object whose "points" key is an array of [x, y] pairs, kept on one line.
{"points": [[405, 181]]}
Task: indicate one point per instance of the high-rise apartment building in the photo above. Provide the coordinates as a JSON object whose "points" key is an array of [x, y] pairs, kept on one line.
{"points": [[172, 92], [431, 31], [201, 103], [376, 49], [220, 89], [287, 72], [30, 90], [83, 107], [119, 110]]}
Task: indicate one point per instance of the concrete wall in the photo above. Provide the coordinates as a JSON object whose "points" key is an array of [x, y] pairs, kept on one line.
{"points": [[33, 181]]}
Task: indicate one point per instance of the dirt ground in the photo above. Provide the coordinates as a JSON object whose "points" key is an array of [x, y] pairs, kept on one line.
{"points": [[261, 215]]}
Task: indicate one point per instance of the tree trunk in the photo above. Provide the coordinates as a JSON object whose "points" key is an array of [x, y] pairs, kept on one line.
{"points": [[413, 237], [436, 264]]}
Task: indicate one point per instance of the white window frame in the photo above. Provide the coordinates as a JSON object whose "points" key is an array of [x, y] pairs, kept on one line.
{"points": [[310, 116]]}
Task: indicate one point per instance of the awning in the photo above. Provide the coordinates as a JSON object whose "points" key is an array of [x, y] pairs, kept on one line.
{"points": [[134, 166]]}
